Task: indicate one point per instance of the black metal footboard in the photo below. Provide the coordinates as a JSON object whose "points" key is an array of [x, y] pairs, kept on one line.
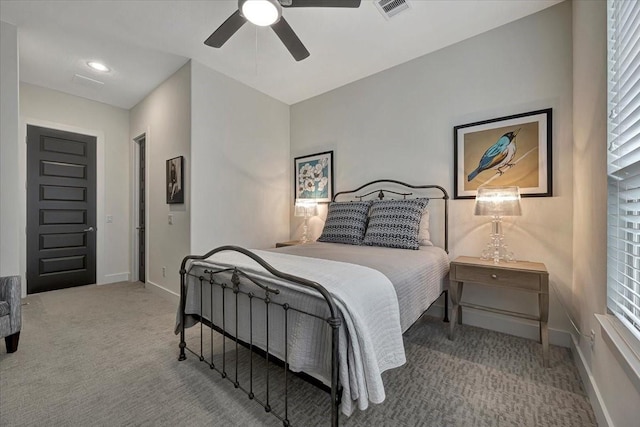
{"points": [[235, 280]]}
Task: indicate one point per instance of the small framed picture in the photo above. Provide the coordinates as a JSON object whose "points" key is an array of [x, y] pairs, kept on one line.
{"points": [[507, 151], [313, 177], [175, 180]]}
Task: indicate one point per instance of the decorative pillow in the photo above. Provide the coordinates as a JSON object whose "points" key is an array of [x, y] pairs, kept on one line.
{"points": [[424, 236], [346, 222], [395, 223]]}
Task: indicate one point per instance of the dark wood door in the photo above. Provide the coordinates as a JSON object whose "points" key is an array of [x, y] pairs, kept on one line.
{"points": [[141, 212], [61, 209]]}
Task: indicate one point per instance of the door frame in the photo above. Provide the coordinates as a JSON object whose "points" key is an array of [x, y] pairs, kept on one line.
{"points": [[135, 215], [100, 193]]}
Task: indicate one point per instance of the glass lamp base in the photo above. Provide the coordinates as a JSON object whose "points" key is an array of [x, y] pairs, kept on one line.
{"points": [[497, 254], [305, 232], [496, 249]]}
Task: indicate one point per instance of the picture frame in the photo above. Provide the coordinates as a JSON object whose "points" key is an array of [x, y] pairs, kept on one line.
{"points": [[313, 177], [175, 180], [507, 151]]}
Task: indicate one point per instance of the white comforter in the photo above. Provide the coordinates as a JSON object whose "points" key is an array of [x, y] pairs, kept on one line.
{"points": [[370, 337]]}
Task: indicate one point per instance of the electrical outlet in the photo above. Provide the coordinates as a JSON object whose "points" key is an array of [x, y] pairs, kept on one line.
{"points": [[164, 271], [170, 219]]}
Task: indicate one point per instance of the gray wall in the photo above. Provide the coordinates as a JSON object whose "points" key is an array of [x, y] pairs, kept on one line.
{"points": [[165, 117], [235, 141], [9, 184], [398, 124], [614, 394], [240, 164]]}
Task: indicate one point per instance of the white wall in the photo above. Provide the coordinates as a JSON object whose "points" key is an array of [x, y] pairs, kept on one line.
{"points": [[9, 185], [165, 117], [398, 124], [240, 164], [590, 162], [235, 141], [46, 107], [614, 396]]}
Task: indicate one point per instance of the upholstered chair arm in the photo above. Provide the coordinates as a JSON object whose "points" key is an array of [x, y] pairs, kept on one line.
{"points": [[11, 292]]}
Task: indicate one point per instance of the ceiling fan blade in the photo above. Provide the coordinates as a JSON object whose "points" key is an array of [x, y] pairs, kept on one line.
{"points": [[226, 30], [320, 3], [290, 39]]}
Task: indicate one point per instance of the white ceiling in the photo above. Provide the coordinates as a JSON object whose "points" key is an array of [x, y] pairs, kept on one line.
{"points": [[144, 42]]}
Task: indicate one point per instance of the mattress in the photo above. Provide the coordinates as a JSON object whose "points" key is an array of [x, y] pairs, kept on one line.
{"points": [[418, 276]]}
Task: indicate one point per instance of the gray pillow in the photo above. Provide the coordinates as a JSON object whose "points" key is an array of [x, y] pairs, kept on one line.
{"points": [[346, 222], [395, 223]]}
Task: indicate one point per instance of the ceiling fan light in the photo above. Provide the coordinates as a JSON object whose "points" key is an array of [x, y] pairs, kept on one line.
{"points": [[261, 12]]}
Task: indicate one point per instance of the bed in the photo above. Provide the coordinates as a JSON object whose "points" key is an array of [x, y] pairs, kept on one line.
{"points": [[331, 312]]}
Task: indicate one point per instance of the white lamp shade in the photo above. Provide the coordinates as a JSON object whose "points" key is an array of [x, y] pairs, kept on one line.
{"points": [[306, 207], [261, 12], [498, 201]]}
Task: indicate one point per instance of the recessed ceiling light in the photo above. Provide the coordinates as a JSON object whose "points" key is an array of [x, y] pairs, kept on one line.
{"points": [[98, 66]]}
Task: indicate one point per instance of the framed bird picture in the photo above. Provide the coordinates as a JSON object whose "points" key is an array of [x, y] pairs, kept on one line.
{"points": [[507, 151]]}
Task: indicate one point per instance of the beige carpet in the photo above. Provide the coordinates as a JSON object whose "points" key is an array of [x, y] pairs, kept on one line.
{"points": [[106, 356]]}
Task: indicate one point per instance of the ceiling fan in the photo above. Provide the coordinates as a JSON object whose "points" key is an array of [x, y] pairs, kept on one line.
{"points": [[269, 13]]}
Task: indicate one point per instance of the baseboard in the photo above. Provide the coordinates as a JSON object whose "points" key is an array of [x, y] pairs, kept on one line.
{"points": [[508, 325], [595, 398], [162, 291], [115, 278]]}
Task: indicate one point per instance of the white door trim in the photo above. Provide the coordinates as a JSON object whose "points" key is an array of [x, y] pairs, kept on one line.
{"points": [[100, 193]]}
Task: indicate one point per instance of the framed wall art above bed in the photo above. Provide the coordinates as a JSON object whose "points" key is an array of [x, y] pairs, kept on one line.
{"points": [[313, 177], [507, 151]]}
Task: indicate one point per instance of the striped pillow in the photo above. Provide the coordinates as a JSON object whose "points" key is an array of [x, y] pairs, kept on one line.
{"points": [[395, 223], [346, 222]]}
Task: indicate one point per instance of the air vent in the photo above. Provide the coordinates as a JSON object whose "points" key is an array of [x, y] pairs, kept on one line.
{"points": [[390, 8], [87, 81]]}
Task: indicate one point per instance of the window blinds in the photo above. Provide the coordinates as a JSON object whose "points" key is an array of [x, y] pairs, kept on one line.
{"points": [[623, 229]]}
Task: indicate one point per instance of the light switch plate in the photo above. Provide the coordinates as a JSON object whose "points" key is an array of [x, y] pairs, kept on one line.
{"points": [[170, 219], [109, 219]]}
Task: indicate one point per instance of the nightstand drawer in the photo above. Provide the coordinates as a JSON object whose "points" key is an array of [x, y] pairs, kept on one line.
{"points": [[497, 276]]}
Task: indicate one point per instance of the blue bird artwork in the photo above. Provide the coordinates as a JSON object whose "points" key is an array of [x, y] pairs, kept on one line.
{"points": [[499, 156]]}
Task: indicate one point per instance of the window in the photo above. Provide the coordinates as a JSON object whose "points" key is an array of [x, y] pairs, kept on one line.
{"points": [[623, 228]]}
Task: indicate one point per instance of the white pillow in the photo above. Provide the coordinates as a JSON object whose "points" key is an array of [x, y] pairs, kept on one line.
{"points": [[424, 237]]}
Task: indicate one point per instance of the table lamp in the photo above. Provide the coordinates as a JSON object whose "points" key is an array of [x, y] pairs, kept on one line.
{"points": [[497, 202], [306, 208]]}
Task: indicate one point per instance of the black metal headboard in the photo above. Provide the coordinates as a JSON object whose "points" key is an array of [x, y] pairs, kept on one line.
{"points": [[382, 191]]}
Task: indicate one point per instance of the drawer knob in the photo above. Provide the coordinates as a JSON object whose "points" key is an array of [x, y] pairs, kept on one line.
{"points": [[494, 276]]}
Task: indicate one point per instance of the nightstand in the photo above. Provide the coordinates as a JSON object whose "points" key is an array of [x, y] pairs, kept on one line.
{"points": [[521, 276], [289, 243]]}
